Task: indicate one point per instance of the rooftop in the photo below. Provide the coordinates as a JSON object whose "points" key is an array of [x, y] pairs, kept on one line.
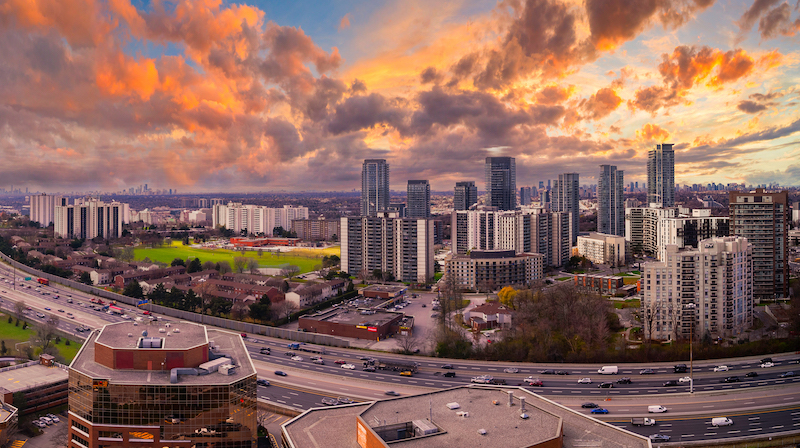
{"points": [[126, 334], [350, 316], [25, 378]]}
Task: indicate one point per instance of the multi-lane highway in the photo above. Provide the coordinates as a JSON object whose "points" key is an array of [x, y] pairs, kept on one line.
{"points": [[765, 404]]}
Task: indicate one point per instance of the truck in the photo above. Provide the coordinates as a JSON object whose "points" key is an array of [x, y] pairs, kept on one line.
{"points": [[293, 345], [43, 281], [114, 310], [642, 421], [608, 370], [398, 365]]}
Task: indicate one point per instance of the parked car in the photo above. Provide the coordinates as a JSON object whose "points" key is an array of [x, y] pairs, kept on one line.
{"points": [[599, 411], [721, 368]]}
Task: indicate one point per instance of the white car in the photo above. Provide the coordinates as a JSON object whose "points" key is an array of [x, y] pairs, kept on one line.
{"points": [[721, 368], [767, 364], [297, 358], [349, 366], [685, 379], [511, 370], [585, 381]]}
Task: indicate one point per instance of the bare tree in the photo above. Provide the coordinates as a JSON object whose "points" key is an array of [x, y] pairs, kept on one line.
{"points": [[224, 267], [47, 332], [408, 342], [19, 308], [363, 275], [205, 291], [209, 265], [650, 312], [252, 265], [239, 264], [285, 309], [290, 271], [239, 310], [260, 253]]}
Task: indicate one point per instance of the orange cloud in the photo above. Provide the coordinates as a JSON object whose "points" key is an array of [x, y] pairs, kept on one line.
{"points": [[651, 132], [121, 75], [554, 94], [602, 103], [345, 22], [770, 60], [77, 21]]}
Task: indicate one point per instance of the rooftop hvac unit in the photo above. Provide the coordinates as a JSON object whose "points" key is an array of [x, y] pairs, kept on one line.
{"points": [[462, 414], [176, 330], [212, 366], [162, 330], [424, 427], [482, 432], [227, 369], [524, 416], [453, 406]]}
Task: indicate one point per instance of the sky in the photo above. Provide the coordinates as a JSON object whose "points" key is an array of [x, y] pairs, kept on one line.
{"points": [[209, 95]]}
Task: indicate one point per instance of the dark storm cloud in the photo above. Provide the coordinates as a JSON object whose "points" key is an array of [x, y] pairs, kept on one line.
{"points": [[750, 107]]}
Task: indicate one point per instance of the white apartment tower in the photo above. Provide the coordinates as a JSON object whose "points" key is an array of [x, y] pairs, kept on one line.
{"points": [[566, 198], [661, 175], [90, 218], [43, 207]]}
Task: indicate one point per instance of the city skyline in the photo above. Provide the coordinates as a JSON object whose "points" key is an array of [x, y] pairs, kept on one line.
{"points": [[213, 96]]}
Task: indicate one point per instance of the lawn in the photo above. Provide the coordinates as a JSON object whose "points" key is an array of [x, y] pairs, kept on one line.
{"points": [[561, 279], [13, 335], [304, 258]]}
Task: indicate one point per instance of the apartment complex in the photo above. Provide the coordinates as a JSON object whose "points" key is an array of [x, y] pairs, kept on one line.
{"points": [[90, 218], [611, 201], [708, 290], [418, 199], [601, 248], [501, 182], [183, 385], [43, 207], [255, 219], [495, 269], [401, 246], [763, 218], [650, 229], [661, 175], [531, 230], [316, 229], [465, 196], [374, 187], [566, 198]]}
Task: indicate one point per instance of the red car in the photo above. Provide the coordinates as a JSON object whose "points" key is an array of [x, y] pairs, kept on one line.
{"points": [[340, 361], [244, 335], [146, 313], [536, 383]]}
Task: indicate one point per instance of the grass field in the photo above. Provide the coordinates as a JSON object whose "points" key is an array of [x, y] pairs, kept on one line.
{"points": [[303, 258], [13, 335]]}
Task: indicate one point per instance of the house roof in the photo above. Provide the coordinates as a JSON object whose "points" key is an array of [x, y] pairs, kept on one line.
{"points": [[491, 308]]}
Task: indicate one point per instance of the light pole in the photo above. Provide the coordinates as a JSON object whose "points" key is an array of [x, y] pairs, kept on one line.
{"points": [[691, 306]]}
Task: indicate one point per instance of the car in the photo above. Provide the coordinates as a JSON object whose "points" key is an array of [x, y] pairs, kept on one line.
{"points": [[535, 383], [60, 311], [280, 373], [328, 401], [69, 300], [511, 370], [600, 411], [788, 374], [585, 381], [348, 366], [262, 382], [721, 368], [340, 361], [483, 379], [344, 400], [730, 379], [764, 365], [624, 380], [547, 372], [424, 306], [406, 373], [54, 418], [646, 372], [679, 368], [449, 374], [391, 393], [243, 335], [319, 361], [659, 438], [369, 369], [290, 353], [670, 383], [297, 358], [38, 424], [79, 329], [265, 351], [70, 316], [751, 374], [47, 308], [448, 366], [562, 372], [590, 405], [766, 360], [606, 385]]}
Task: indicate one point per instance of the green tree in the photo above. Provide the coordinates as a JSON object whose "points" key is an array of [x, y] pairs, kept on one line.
{"points": [[194, 266], [133, 289], [159, 295], [86, 278], [175, 298], [3, 348], [191, 301], [261, 311], [178, 262], [219, 306]]}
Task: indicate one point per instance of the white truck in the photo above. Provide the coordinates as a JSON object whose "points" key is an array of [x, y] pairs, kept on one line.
{"points": [[608, 370], [642, 421]]}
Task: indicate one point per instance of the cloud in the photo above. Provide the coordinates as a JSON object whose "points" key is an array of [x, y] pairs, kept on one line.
{"points": [[430, 75], [772, 22], [345, 22], [652, 132], [554, 94], [602, 103], [750, 107]]}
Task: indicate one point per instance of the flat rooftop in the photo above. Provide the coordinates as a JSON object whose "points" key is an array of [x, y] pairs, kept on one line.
{"points": [[383, 288], [350, 316], [117, 335], [25, 378], [229, 345]]}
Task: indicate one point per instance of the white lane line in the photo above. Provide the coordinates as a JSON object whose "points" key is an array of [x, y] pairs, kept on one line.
{"points": [[734, 432], [755, 429], [687, 435], [777, 427], [753, 418], [710, 434], [709, 406]]}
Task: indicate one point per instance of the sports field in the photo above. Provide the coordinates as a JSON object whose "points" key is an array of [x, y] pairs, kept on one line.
{"points": [[304, 258]]}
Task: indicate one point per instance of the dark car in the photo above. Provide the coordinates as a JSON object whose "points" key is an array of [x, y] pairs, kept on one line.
{"points": [[670, 383], [261, 382], [766, 360], [659, 438], [265, 350], [731, 379], [624, 380], [590, 405], [547, 372], [369, 369], [498, 381], [600, 411], [289, 353], [751, 374], [392, 393], [646, 372], [449, 374], [788, 374], [562, 372], [680, 368], [605, 385], [280, 373], [447, 366]]}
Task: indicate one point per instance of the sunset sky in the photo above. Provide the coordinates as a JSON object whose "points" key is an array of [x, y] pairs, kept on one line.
{"points": [[206, 95]]}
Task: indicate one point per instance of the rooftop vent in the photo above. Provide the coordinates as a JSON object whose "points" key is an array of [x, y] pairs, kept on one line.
{"points": [[510, 398], [162, 330], [524, 416], [144, 333], [482, 432], [522, 404], [177, 330], [453, 406], [462, 414], [130, 335]]}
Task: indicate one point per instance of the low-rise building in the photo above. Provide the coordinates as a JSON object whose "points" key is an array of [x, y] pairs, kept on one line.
{"points": [[352, 323], [600, 248], [495, 269], [601, 284], [36, 385], [487, 316]]}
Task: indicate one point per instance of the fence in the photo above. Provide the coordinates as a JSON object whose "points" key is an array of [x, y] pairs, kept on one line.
{"points": [[241, 327], [19, 366]]}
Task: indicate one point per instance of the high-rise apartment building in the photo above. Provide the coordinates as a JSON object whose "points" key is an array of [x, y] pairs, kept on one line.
{"points": [[661, 175], [566, 198], [650, 229], [255, 219], [418, 199], [90, 218], [400, 246], [501, 183], [43, 207], [130, 385], [611, 201], [466, 195], [763, 218], [703, 291], [374, 187]]}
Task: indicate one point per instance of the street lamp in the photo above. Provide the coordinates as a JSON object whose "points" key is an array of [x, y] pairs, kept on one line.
{"points": [[691, 306]]}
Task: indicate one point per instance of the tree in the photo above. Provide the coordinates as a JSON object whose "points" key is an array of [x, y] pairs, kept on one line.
{"points": [[261, 311], [194, 266], [224, 267], [133, 289], [205, 292], [507, 296], [239, 310], [260, 253], [19, 309], [46, 332], [363, 275], [209, 266], [285, 309], [219, 306], [239, 264], [3, 348], [290, 271], [408, 342], [159, 296], [86, 278], [178, 262], [253, 266], [125, 253]]}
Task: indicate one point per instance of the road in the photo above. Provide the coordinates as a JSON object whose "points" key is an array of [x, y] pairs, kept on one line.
{"points": [[766, 404]]}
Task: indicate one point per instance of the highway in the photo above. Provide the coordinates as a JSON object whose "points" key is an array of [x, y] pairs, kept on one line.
{"points": [[766, 404]]}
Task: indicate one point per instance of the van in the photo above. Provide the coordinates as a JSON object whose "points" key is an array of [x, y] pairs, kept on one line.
{"points": [[608, 370], [48, 421], [721, 421], [658, 409]]}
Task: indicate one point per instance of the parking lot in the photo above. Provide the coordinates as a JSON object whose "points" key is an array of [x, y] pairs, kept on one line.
{"points": [[53, 435]]}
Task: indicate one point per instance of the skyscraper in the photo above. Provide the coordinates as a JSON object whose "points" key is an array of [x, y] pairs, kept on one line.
{"points": [[763, 218], [43, 207], [419, 199], [661, 176], [611, 201], [374, 186], [565, 198], [466, 195], [501, 182], [525, 196]]}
